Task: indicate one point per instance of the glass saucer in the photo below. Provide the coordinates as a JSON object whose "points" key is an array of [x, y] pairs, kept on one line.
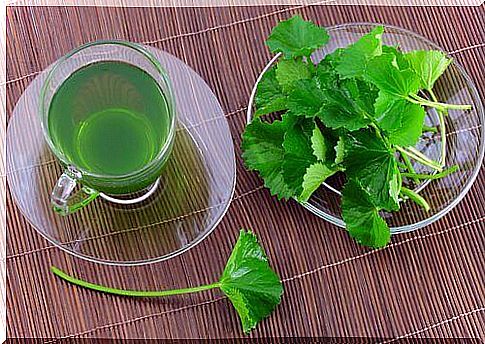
{"points": [[465, 136], [194, 193]]}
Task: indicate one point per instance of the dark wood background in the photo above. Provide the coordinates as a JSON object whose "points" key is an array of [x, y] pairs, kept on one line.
{"points": [[428, 283]]}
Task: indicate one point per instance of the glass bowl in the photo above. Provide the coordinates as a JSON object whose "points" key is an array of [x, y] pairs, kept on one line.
{"points": [[465, 136]]}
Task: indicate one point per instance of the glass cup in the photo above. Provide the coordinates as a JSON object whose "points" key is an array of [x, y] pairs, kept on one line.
{"points": [[107, 113]]}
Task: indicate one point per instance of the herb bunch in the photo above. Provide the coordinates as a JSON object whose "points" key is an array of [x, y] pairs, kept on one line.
{"points": [[360, 111]]}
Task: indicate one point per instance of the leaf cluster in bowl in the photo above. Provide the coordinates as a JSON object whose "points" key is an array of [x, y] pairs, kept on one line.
{"points": [[359, 111]]}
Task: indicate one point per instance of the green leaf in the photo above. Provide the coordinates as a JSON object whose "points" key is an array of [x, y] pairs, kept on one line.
{"points": [[315, 175], [248, 281], [429, 65], [401, 60], [262, 146], [305, 99], [383, 72], [253, 288], [340, 150], [371, 163], [269, 95], [362, 218], [334, 57], [296, 37], [319, 144], [400, 119], [339, 110], [353, 59], [289, 71], [387, 119], [326, 75], [336, 115], [362, 93], [298, 154]]}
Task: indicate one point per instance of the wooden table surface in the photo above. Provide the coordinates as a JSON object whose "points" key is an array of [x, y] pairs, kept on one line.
{"points": [[427, 283]]}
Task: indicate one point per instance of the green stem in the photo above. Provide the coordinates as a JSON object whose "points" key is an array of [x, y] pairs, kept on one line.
{"points": [[421, 155], [409, 166], [136, 293], [415, 101], [445, 173], [437, 105], [430, 129], [375, 125], [417, 155], [415, 197], [378, 131], [426, 162], [441, 118]]}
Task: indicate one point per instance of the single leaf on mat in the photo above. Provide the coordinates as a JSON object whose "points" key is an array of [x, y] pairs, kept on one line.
{"points": [[249, 282], [253, 288]]}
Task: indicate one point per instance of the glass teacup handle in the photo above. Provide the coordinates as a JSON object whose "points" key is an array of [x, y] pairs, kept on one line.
{"points": [[63, 198]]}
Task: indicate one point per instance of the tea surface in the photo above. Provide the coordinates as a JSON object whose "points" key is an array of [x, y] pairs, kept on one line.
{"points": [[109, 118]]}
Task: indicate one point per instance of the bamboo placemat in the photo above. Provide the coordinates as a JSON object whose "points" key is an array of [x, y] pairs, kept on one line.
{"points": [[427, 283]]}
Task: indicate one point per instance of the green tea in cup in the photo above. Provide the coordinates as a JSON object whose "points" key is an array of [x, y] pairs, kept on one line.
{"points": [[108, 115]]}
